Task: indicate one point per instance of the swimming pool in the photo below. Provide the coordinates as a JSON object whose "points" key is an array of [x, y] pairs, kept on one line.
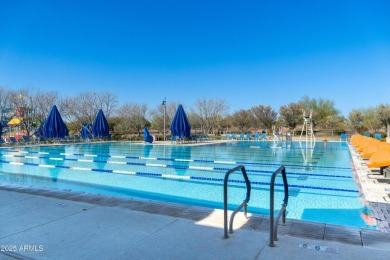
{"points": [[321, 185]]}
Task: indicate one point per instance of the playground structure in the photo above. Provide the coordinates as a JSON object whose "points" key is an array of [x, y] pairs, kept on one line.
{"points": [[308, 127]]}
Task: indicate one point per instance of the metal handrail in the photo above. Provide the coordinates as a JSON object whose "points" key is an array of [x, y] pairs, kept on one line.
{"points": [[225, 200], [282, 212]]}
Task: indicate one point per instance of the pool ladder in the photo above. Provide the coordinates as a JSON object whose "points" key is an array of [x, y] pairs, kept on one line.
{"points": [[273, 221], [225, 200]]}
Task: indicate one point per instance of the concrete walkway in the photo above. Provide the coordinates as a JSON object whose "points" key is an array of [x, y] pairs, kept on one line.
{"points": [[86, 226]]}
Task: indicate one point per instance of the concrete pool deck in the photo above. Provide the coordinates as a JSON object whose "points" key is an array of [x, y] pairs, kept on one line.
{"points": [[56, 224]]}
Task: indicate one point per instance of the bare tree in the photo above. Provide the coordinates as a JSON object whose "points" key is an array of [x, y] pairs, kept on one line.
{"points": [[42, 103], [5, 100], [210, 112], [133, 117], [108, 102], [157, 115], [265, 115], [84, 106]]}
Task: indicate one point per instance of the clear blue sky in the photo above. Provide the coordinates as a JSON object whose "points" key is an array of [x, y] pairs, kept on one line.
{"points": [[246, 52]]}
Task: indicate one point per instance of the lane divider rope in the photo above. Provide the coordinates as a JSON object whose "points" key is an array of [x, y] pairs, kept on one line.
{"points": [[148, 174], [183, 160], [183, 167]]}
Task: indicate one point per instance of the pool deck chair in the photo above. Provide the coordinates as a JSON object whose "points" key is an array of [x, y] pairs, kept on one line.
{"points": [[367, 134], [264, 136], [26, 139], [13, 140], [248, 136], [378, 137], [343, 137], [205, 137], [3, 142], [77, 138], [177, 139], [194, 138], [242, 136], [257, 136], [234, 136]]}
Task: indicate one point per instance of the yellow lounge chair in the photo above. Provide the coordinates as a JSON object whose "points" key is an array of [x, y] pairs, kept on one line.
{"points": [[370, 150], [380, 158]]}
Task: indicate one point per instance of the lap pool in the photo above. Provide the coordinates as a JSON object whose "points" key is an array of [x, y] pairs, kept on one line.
{"points": [[321, 183]]}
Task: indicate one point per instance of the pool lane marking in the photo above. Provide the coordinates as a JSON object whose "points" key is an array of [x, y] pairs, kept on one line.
{"points": [[147, 158], [46, 165], [115, 162], [83, 160], [156, 165], [181, 160], [168, 176], [224, 162], [192, 160], [90, 155], [124, 172], [31, 157], [183, 167], [16, 163], [54, 158]]}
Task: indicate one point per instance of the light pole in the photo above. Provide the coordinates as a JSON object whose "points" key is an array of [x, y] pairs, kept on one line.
{"points": [[164, 103]]}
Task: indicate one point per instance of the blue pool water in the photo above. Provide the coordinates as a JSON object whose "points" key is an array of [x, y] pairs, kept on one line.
{"points": [[321, 185]]}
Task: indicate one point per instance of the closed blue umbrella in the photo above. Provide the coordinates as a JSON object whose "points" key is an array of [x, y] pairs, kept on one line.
{"points": [[100, 126], [180, 125], [55, 126], [86, 131], [147, 137]]}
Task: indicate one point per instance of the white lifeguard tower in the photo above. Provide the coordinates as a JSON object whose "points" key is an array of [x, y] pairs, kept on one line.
{"points": [[308, 127], [278, 133]]}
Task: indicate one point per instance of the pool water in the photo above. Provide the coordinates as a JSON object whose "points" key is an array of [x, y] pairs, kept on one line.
{"points": [[321, 185]]}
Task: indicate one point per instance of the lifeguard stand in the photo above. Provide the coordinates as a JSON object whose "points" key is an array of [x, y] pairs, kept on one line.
{"points": [[278, 133], [308, 127]]}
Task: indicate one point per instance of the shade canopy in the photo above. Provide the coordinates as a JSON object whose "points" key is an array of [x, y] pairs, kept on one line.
{"points": [[86, 131], [14, 121], [180, 126], [54, 126], [147, 137], [100, 126]]}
